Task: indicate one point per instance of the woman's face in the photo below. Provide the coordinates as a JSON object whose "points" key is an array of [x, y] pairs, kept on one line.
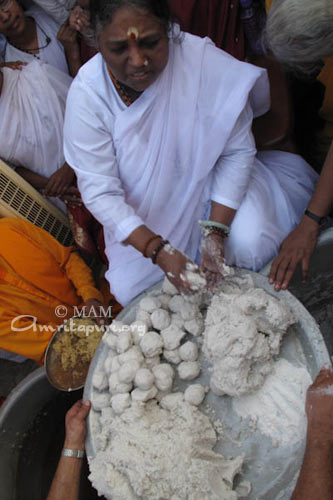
{"points": [[135, 47], [12, 19]]}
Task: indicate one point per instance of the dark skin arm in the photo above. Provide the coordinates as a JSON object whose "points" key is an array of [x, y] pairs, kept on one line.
{"points": [[301, 243], [69, 39], [316, 477], [66, 482]]}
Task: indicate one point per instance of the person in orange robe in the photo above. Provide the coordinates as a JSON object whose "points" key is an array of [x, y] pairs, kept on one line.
{"points": [[37, 276]]}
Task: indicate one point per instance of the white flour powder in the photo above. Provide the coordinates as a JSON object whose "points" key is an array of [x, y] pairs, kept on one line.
{"points": [[153, 454], [278, 408]]}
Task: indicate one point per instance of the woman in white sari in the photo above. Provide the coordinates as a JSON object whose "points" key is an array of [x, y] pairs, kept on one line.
{"points": [[158, 131]]}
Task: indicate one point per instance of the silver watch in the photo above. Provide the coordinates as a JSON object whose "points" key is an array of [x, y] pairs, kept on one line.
{"points": [[67, 452]]}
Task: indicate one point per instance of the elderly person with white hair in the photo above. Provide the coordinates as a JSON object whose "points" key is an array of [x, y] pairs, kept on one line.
{"points": [[300, 35]]}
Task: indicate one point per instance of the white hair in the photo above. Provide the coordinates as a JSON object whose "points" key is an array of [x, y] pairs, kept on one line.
{"points": [[300, 33]]}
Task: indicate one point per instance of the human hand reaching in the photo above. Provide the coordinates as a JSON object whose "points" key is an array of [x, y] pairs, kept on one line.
{"points": [[296, 248], [319, 408], [79, 19], [75, 423], [181, 271], [212, 262]]}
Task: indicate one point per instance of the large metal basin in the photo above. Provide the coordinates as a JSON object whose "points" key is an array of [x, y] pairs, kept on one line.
{"points": [[32, 435]]}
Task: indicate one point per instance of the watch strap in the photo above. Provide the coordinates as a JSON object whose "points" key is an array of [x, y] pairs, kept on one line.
{"points": [[67, 452], [317, 218]]}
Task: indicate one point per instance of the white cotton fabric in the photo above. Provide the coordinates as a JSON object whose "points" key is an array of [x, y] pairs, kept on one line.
{"points": [[58, 9], [53, 54], [32, 107], [186, 140]]}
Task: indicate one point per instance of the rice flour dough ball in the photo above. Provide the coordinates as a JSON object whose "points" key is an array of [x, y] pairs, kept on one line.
{"points": [[189, 351], [144, 396], [100, 381], [176, 304], [110, 339], [195, 326], [172, 356], [189, 311], [133, 354], [127, 372], [160, 319], [151, 362], [172, 337], [188, 370], [120, 402], [100, 401], [108, 363], [151, 344], [124, 342], [116, 327], [149, 304], [139, 328], [195, 394], [164, 299], [177, 320], [171, 401], [144, 379], [164, 375], [115, 365], [145, 317], [169, 288], [115, 386]]}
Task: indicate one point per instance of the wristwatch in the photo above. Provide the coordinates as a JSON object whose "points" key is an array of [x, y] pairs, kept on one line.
{"points": [[317, 218], [67, 452]]}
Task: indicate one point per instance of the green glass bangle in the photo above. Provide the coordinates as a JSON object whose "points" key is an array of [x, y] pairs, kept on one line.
{"points": [[212, 224]]}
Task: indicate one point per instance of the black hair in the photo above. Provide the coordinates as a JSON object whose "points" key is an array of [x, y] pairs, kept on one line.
{"points": [[102, 11]]}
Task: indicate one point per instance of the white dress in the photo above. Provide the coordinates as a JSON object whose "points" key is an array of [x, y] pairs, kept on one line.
{"points": [[32, 108], [53, 54], [185, 141]]}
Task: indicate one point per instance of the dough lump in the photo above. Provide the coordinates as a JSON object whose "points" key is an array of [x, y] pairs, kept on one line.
{"points": [[188, 370], [194, 394], [144, 379], [172, 337], [151, 344], [149, 304], [160, 319], [189, 351]]}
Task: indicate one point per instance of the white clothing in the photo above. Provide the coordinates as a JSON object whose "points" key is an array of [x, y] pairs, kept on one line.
{"points": [[58, 9], [186, 140], [53, 54], [32, 107]]}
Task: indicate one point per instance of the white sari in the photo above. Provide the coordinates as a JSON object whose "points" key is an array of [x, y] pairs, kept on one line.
{"points": [[186, 140], [32, 107]]}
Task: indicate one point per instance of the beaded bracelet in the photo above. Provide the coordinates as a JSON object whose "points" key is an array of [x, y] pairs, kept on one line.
{"points": [[157, 250], [144, 253]]}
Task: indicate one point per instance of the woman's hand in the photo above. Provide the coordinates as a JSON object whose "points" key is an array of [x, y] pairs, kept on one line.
{"points": [[212, 262], [68, 37], [60, 181], [18, 65], [297, 247], [79, 19], [181, 271], [72, 197]]}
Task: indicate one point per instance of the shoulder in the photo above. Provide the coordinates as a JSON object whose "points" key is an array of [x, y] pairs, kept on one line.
{"points": [[92, 80]]}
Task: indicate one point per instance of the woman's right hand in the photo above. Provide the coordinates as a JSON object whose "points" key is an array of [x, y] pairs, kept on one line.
{"points": [[177, 268], [297, 247], [79, 19]]}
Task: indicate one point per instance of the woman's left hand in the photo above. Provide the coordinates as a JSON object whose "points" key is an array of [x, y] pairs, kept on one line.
{"points": [[212, 262], [79, 19], [60, 181], [68, 37]]}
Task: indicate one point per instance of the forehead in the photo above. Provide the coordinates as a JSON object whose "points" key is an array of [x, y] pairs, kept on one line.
{"points": [[127, 18]]}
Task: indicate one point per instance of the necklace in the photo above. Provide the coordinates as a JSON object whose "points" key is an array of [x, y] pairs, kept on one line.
{"points": [[31, 51], [122, 91]]}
